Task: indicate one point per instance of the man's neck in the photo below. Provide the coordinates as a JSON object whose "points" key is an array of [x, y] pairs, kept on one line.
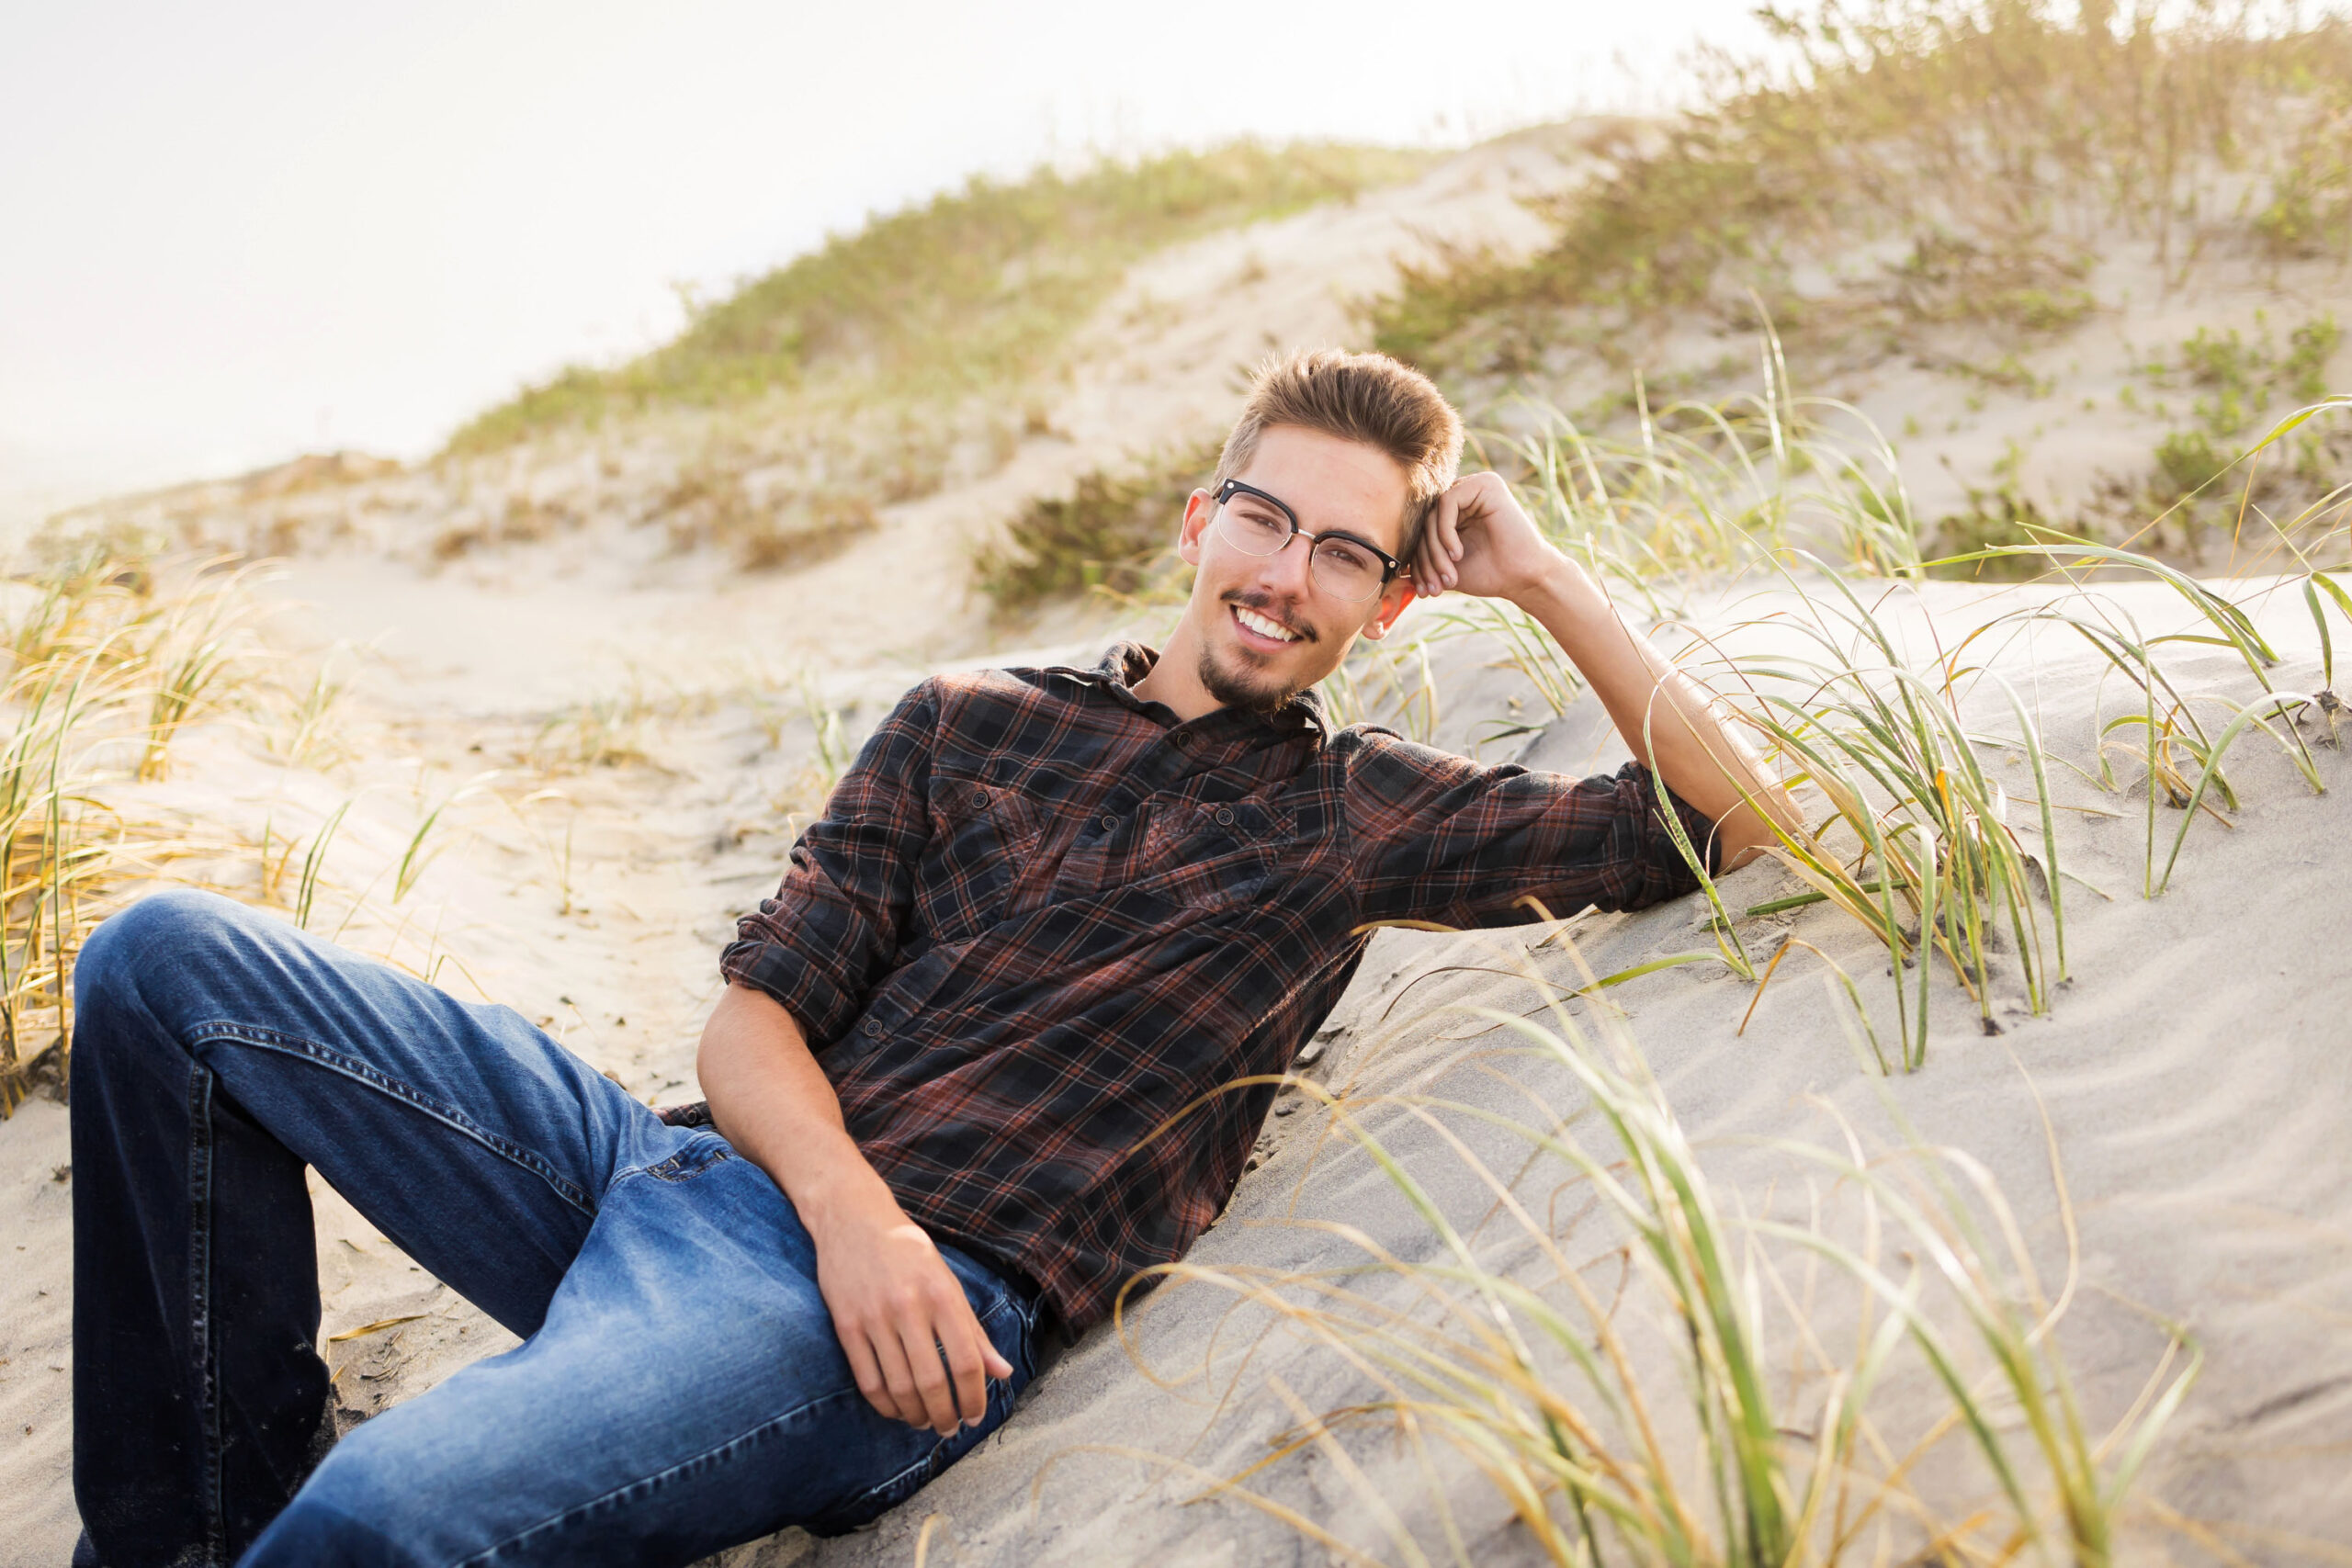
{"points": [[1175, 681]]}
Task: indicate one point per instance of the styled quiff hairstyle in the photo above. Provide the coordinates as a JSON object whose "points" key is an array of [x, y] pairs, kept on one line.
{"points": [[1356, 397]]}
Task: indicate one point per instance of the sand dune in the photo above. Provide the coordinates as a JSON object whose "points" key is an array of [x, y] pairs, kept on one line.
{"points": [[2192, 1071]]}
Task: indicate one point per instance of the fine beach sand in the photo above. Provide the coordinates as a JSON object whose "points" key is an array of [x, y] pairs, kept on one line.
{"points": [[2193, 1074]]}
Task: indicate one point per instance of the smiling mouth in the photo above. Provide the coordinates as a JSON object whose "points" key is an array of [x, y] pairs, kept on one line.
{"points": [[1258, 628]]}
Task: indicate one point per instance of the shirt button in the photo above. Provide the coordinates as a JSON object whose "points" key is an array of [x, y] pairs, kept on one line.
{"points": [[1110, 823], [1224, 816], [980, 797], [870, 1029]]}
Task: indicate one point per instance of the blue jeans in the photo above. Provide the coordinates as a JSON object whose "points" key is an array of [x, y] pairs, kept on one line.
{"points": [[679, 1388]]}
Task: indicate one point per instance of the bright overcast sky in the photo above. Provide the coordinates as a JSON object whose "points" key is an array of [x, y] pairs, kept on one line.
{"points": [[234, 232]]}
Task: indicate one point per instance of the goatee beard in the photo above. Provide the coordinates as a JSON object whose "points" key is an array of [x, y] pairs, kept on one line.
{"points": [[1240, 694]]}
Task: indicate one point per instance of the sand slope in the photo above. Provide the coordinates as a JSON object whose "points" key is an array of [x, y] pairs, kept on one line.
{"points": [[2194, 1070], [2195, 1076]]}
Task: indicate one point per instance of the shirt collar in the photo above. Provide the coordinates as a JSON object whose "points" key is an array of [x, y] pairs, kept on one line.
{"points": [[1125, 662]]}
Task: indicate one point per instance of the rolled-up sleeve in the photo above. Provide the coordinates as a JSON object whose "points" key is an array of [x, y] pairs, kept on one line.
{"points": [[836, 925], [1439, 838]]}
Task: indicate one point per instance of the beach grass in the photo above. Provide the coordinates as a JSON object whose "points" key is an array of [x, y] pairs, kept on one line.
{"points": [[112, 660], [916, 353], [1657, 1381], [105, 670], [1917, 836], [1113, 534]]}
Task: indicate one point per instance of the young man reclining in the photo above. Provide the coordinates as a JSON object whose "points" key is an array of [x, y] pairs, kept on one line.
{"points": [[1045, 911]]}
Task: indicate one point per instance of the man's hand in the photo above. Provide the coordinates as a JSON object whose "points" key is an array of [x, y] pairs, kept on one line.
{"points": [[1479, 541], [895, 1304], [919, 1354]]}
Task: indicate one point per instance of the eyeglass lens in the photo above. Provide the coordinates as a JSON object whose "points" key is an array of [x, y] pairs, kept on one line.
{"points": [[1341, 570]]}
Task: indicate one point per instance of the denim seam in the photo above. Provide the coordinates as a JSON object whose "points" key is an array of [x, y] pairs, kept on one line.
{"points": [[648, 1484], [211, 1480], [274, 1040], [667, 1172]]}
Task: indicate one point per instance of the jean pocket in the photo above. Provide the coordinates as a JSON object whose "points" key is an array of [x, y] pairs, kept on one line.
{"points": [[700, 1154]]}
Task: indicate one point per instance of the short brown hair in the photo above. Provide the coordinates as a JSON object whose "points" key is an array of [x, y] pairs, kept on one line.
{"points": [[1357, 397]]}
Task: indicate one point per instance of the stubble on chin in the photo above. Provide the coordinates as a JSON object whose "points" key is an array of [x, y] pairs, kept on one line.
{"points": [[1237, 691]]}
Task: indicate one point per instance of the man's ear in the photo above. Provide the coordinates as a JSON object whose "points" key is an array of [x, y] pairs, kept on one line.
{"points": [[1392, 600], [1198, 509]]}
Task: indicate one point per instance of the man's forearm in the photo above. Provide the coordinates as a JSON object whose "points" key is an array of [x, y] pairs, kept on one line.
{"points": [[1668, 716], [917, 1353], [770, 1099]]}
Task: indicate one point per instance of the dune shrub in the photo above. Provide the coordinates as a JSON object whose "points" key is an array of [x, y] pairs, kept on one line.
{"points": [[1999, 144], [1114, 533], [971, 289]]}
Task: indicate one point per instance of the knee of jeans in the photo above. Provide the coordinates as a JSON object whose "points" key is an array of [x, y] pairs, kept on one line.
{"points": [[395, 1494], [342, 1518], [180, 932]]}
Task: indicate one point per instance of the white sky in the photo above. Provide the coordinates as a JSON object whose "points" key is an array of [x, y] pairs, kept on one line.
{"points": [[234, 232]]}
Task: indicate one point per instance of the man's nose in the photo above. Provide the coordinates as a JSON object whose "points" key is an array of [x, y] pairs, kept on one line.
{"points": [[1289, 571]]}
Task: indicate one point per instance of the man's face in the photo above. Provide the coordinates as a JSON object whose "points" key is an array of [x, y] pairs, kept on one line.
{"points": [[1264, 625]]}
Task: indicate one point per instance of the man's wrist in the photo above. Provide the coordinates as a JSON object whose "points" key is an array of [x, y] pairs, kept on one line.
{"points": [[1563, 594], [849, 1197]]}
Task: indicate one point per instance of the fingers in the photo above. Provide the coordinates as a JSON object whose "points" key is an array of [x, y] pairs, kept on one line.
{"points": [[935, 1389], [1432, 566], [1442, 541], [947, 1358], [935, 1397], [863, 1366], [966, 1366], [902, 1380], [911, 1338]]}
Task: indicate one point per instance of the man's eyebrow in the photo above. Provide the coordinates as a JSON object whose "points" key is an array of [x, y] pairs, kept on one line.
{"points": [[1348, 534]]}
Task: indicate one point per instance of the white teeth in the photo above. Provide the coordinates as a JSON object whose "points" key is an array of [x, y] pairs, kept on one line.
{"points": [[1262, 626]]}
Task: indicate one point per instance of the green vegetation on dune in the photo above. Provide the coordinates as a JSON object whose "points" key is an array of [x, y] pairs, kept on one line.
{"points": [[1919, 847], [2234, 381], [1991, 146], [1114, 534], [1656, 1405], [973, 289]]}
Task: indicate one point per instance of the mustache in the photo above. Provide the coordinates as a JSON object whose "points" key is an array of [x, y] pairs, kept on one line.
{"points": [[1267, 606]]}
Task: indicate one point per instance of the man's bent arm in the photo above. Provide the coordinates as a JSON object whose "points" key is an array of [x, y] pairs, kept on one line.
{"points": [[894, 1303], [1480, 541], [1666, 715]]}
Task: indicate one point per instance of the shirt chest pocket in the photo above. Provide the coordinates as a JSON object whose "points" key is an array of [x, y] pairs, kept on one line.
{"points": [[982, 836], [1210, 854]]}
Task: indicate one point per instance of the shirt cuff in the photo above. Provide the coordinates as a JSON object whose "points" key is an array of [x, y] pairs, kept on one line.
{"points": [[800, 985]]}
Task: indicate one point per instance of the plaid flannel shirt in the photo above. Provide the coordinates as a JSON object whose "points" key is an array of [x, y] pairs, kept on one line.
{"points": [[1039, 917]]}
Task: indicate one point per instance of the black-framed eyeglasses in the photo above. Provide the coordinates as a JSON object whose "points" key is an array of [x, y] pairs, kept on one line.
{"points": [[1342, 565]]}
